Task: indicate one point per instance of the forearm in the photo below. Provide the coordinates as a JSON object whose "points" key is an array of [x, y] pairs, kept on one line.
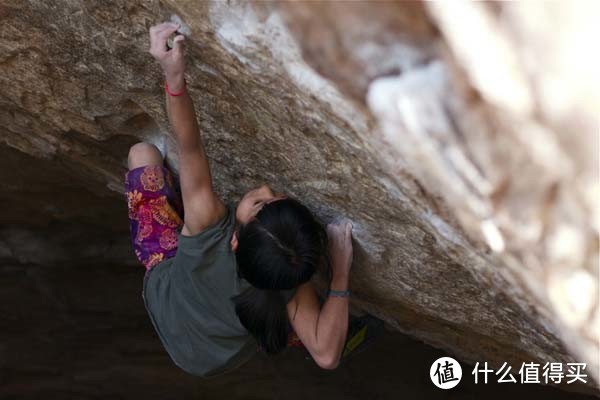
{"points": [[332, 326], [192, 157], [182, 115]]}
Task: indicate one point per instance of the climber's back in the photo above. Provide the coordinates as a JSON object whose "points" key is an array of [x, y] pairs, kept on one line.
{"points": [[188, 298]]}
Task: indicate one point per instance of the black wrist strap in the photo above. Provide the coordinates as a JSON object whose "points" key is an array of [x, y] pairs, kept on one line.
{"points": [[339, 293]]}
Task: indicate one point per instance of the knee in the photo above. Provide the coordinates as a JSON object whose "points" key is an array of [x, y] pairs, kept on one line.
{"points": [[142, 154]]}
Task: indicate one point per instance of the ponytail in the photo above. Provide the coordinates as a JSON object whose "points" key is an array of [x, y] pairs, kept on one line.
{"points": [[277, 251], [263, 313]]}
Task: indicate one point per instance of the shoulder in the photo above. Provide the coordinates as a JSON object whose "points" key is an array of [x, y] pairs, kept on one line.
{"points": [[203, 213], [212, 239], [306, 301], [216, 214]]}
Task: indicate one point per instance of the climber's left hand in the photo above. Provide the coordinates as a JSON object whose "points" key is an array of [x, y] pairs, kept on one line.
{"points": [[172, 60]]}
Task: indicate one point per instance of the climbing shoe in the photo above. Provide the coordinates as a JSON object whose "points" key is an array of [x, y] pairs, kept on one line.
{"points": [[362, 331]]}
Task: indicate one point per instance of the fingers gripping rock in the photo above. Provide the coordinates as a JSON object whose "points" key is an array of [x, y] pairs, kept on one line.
{"points": [[184, 28]]}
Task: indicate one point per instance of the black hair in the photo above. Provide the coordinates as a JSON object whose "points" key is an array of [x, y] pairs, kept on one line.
{"points": [[278, 250]]}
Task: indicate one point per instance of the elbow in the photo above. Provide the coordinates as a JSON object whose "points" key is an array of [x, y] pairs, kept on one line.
{"points": [[330, 361]]}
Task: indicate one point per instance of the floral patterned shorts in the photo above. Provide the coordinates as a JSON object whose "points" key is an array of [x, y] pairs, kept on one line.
{"points": [[155, 213]]}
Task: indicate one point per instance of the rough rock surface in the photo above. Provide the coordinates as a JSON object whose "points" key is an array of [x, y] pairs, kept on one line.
{"points": [[465, 153]]}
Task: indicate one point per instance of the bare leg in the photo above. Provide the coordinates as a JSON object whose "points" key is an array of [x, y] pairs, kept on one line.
{"points": [[142, 154]]}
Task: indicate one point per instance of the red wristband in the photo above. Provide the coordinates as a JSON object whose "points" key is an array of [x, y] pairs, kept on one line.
{"points": [[175, 94]]}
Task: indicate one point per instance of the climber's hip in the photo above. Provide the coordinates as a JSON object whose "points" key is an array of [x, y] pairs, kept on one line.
{"points": [[155, 209]]}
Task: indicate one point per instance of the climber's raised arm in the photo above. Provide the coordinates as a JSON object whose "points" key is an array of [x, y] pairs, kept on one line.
{"points": [[323, 330], [202, 207]]}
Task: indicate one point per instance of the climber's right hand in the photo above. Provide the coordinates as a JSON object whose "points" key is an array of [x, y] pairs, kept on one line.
{"points": [[172, 60], [340, 248]]}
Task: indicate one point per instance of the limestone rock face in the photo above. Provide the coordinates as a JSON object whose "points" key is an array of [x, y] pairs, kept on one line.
{"points": [[461, 139]]}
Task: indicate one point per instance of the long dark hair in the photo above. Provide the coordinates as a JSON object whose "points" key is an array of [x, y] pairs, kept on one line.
{"points": [[278, 250]]}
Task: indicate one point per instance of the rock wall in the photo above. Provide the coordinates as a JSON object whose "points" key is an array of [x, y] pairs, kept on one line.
{"points": [[461, 140]]}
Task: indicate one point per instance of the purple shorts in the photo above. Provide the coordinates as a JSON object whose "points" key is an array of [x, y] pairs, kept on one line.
{"points": [[155, 213]]}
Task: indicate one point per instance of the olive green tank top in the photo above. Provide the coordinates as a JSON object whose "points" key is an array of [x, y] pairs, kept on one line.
{"points": [[188, 299]]}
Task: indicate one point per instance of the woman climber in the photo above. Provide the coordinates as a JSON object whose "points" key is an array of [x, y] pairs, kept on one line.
{"points": [[223, 282]]}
